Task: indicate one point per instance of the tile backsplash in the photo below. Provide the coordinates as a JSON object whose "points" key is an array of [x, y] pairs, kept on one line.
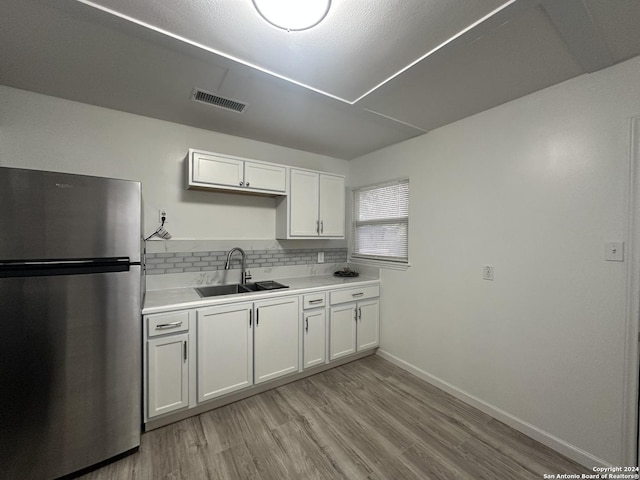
{"points": [[205, 261]]}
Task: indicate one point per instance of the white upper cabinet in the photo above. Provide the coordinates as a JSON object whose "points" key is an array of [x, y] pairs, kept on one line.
{"points": [[214, 170], [305, 196], [225, 172], [315, 206], [331, 206], [265, 176]]}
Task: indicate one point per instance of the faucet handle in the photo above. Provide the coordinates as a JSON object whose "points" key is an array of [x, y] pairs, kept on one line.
{"points": [[247, 276]]}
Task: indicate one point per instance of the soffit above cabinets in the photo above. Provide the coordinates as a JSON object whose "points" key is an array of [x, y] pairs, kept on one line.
{"points": [[370, 75]]}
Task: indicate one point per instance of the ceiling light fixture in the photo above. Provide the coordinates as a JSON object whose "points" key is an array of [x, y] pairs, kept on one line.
{"points": [[293, 15]]}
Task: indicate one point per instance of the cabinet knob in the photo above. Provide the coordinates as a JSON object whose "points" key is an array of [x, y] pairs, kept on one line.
{"points": [[247, 184], [241, 184]]}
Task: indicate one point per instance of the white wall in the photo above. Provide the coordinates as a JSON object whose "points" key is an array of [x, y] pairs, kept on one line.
{"points": [[534, 187], [47, 133]]}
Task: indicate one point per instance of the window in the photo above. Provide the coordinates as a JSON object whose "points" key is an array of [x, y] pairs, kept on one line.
{"points": [[381, 222]]}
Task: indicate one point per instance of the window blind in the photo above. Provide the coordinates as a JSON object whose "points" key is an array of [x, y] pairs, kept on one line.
{"points": [[381, 222]]}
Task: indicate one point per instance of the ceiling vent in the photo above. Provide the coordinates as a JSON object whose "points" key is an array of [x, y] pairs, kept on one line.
{"points": [[209, 98]]}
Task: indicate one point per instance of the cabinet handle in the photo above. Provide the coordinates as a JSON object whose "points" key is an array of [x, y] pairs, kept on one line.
{"points": [[321, 226], [315, 301], [306, 326], [247, 184], [355, 314], [318, 227], [168, 325], [185, 350], [241, 184], [359, 294], [250, 318], [360, 313], [257, 316]]}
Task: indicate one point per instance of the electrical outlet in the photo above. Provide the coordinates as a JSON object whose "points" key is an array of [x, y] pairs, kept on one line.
{"points": [[162, 213], [320, 257], [487, 272]]}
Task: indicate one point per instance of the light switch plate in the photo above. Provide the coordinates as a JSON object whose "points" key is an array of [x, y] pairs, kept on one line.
{"points": [[614, 251]]}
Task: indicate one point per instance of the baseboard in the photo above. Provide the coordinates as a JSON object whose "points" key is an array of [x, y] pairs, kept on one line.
{"points": [[551, 441]]}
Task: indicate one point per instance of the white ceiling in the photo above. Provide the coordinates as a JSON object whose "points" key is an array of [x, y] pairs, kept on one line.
{"points": [[370, 75]]}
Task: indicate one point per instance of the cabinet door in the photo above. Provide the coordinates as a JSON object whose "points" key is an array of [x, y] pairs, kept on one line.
{"points": [[265, 177], [314, 337], [342, 331], [303, 196], [225, 350], [368, 324], [331, 206], [168, 374], [218, 170], [276, 338]]}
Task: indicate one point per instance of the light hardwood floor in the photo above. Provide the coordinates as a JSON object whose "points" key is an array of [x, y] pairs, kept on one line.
{"points": [[364, 420]]}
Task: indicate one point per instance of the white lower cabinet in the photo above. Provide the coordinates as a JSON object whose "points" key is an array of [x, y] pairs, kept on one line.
{"points": [[368, 324], [314, 324], [354, 326], [196, 355], [342, 330], [168, 374], [225, 349], [276, 338]]}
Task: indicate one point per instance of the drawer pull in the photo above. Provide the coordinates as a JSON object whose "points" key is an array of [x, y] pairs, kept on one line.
{"points": [[357, 294], [316, 301], [168, 325]]}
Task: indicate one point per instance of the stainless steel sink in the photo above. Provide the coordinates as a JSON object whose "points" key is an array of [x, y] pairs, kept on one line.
{"points": [[217, 290]]}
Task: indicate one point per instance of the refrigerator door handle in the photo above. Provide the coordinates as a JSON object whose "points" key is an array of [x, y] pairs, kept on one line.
{"points": [[40, 268]]}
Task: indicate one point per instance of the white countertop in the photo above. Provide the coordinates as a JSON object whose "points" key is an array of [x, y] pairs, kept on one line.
{"points": [[157, 301]]}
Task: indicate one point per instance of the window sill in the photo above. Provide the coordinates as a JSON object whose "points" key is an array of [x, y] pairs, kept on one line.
{"points": [[380, 263]]}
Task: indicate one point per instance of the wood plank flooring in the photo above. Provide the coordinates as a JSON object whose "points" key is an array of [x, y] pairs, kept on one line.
{"points": [[364, 420]]}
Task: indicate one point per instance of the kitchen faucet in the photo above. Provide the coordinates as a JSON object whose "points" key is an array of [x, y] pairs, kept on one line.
{"points": [[244, 276]]}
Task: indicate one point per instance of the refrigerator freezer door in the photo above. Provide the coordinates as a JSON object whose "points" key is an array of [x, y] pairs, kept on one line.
{"points": [[56, 215], [70, 367]]}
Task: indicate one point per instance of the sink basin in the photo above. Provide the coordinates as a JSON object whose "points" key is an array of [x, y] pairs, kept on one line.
{"points": [[217, 290], [269, 285]]}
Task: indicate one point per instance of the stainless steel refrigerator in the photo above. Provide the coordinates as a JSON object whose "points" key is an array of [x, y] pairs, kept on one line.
{"points": [[70, 327]]}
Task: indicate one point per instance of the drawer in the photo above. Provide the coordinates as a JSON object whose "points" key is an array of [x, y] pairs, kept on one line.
{"points": [[313, 300], [354, 294], [164, 323]]}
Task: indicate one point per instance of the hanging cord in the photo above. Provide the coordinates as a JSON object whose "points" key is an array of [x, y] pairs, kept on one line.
{"points": [[160, 232]]}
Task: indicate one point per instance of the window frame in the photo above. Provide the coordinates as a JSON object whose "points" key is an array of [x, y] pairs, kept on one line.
{"points": [[388, 262]]}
